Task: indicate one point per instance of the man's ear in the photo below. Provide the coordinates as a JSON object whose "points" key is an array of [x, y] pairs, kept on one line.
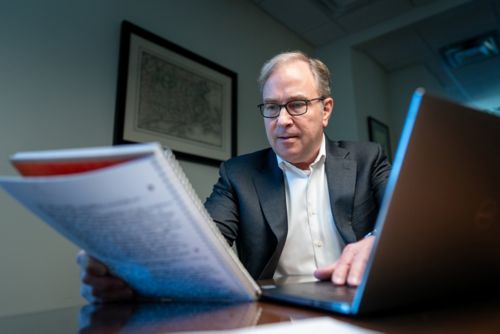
{"points": [[328, 104]]}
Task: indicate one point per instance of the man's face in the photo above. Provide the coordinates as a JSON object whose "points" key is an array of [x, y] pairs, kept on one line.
{"points": [[296, 139]]}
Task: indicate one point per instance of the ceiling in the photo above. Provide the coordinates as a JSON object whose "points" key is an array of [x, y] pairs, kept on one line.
{"points": [[420, 30]]}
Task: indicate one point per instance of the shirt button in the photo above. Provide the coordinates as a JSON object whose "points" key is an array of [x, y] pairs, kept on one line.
{"points": [[318, 244]]}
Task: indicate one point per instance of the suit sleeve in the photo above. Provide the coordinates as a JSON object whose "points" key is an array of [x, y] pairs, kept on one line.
{"points": [[222, 206], [380, 171]]}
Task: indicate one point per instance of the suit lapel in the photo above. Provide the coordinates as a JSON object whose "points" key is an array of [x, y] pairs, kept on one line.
{"points": [[271, 192], [341, 178]]}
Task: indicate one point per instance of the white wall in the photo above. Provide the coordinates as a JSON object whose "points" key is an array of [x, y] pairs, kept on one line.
{"points": [[58, 73], [402, 84], [371, 92], [338, 58]]}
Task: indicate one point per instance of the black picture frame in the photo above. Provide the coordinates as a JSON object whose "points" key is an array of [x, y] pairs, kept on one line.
{"points": [[379, 132], [168, 94]]}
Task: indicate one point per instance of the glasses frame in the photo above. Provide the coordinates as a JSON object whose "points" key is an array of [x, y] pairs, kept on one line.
{"points": [[307, 101]]}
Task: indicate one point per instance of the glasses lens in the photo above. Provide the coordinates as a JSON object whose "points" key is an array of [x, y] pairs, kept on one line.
{"points": [[270, 109], [296, 107]]}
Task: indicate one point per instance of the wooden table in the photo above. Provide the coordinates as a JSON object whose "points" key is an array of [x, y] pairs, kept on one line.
{"points": [[480, 316]]}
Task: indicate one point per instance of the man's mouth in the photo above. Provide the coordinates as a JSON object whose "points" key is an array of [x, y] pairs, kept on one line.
{"points": [[286, 137]]}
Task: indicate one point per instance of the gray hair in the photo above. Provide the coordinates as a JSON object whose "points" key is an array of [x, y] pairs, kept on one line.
{"points": [[319, 70]]}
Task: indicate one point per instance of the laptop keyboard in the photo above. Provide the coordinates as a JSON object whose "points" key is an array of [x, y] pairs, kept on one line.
{"points": [[321, 291]]}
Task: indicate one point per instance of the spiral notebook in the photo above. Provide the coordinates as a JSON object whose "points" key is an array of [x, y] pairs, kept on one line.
{"points": [[133, 208]]}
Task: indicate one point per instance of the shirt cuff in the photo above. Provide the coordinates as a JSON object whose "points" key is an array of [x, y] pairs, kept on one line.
{"points": [[372, 233]]}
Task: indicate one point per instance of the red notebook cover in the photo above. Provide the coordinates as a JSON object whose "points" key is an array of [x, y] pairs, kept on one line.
{"points": [[51, 168]]}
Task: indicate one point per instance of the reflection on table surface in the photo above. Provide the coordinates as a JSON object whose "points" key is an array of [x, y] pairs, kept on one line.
{"points": [[165, 317], [480, 316]]}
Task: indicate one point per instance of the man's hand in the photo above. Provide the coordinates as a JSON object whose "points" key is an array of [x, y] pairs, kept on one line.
{"points": [[98, 285], [349, 268]]}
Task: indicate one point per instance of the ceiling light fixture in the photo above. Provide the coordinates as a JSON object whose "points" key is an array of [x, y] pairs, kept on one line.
{"points": [[472, 50]]}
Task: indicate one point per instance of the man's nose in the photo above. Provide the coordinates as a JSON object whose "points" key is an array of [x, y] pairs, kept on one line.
{"points": [[284, 118]]}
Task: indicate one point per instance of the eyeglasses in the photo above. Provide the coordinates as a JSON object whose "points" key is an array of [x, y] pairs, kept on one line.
{"points": [[294, 107]]}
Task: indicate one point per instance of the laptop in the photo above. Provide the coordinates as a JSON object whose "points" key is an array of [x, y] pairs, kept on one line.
{"points": [[438, 229]]}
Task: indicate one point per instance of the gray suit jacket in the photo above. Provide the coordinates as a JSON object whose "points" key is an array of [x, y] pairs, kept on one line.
{"points": [[248, 201]]}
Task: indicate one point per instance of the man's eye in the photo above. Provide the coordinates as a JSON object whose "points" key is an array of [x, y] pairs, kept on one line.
{"points": [[272, 107], [296, 104]]}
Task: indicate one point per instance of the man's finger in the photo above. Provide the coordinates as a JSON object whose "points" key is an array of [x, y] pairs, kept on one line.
{"points": [[356, 272], [339, 276], [325, 273], [96, 268], [104, 296], [90, 265], [343, 267], [103, 283], [115, 295], [359, 261]]}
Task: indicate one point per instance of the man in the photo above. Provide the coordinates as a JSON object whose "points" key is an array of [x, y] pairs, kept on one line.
{"points": [[306, 205]]}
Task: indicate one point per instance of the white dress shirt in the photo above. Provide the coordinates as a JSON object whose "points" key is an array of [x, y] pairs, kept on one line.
{"points": [[312, 240]]}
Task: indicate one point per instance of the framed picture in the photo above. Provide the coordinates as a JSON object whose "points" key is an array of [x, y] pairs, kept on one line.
{"points": [[175, 97], [379, 132]]}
